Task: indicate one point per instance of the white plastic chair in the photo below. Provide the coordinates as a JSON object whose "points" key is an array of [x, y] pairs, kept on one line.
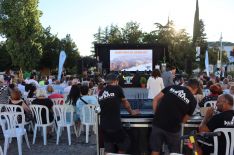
{"points": [[229, 140], [1, 153], [29, 100], [37, 111], [64, 117], [58, 101], [2, 106], [18, 108], [88, 117], [210, 104], [14, 108], [14, 128], [2, 109]]}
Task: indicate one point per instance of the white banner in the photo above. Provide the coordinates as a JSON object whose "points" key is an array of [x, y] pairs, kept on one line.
{"points": [[62, 58], [197, 53]]}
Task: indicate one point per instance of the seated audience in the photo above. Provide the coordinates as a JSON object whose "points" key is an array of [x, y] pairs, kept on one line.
{"points": [[85, 99], [16, 100], [225, 84], [51, 94], [98, 89], [199, 96], [215, 92], [214, 120], [231, 90], [32, 91], [41, 99], [72, 98]]}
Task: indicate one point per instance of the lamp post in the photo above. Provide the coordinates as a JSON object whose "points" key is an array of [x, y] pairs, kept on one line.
{"points": [[219, 62]]}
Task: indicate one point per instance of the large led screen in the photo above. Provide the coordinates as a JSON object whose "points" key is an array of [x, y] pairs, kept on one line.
{"points": [[131, 60]]}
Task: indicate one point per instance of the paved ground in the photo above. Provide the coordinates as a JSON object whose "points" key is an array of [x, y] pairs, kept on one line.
{"points": [[78, 146]]}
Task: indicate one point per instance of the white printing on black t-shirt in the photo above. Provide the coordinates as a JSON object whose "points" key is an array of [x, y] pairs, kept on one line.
{"points": [[181, 94], [106, 95]]}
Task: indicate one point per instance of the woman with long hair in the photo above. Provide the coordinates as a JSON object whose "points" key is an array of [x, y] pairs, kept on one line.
{"points": [[72, 98], [154, 84], [73, 95]]}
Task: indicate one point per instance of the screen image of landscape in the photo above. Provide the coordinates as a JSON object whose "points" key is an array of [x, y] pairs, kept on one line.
{"points": [[131, 60]]}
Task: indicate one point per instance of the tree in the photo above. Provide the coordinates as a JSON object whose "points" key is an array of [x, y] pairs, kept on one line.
{"points": [[213, 56], [5, 58], [115, 35], [196, 25], [131, 33], [71, 50], [178, 42], [20, 25], [85, 63], [150, 38], [202, 43], [51, 46]]}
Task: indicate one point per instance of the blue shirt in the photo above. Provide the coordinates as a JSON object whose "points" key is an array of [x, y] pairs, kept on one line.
{"points": [[88, 99]]}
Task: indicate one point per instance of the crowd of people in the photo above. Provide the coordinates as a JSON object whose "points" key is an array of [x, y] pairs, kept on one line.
{"points": [[173, 103]]}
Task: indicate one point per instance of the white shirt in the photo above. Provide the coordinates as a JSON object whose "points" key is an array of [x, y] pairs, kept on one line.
{"points": [[154, 85]]}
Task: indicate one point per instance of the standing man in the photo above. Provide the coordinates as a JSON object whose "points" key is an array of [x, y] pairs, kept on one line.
{"points": [[212, 121], [110, 100], [168, 76], [172, 106]]}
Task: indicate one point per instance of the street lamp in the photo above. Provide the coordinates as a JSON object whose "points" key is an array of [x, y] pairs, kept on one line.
{"points": [[219, 61]]}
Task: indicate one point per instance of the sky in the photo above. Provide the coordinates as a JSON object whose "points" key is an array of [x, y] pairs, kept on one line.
{"points": [[82, 18]]}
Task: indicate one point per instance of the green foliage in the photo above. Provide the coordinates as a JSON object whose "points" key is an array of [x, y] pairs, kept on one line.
{"points": [[132, 33], [5, 58], [202, 43], [84, 63], [231, 73], [150, 38], [143, 80], [196, 25], [213, 56], [178, 42], [51, 48], [19, 23], [69, 46]]}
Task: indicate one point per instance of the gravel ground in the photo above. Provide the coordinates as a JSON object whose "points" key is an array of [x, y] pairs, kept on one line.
{"points": [[78, 146]]}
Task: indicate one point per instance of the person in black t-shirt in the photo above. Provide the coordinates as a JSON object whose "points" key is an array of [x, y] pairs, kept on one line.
{"points": [[212, 121], [110, 99], [172, 106]]}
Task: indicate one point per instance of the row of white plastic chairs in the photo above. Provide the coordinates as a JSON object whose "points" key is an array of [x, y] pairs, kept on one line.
{"points": [[87, 112], [63, 115], [56, 101]]}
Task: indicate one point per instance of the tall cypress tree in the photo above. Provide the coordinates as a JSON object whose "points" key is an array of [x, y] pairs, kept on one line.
{"points": [[196, 25]]}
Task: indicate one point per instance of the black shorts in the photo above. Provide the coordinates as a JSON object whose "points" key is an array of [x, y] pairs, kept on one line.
{"points": [[115, 141], [159, 136]]}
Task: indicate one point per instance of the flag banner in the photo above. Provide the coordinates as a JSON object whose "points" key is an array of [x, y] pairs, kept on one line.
{"points": [[62, 58], [198, 53], [207, 64]]}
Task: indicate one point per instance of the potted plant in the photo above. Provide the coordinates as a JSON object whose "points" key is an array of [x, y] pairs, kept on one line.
{"points": [[143, 82]]}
